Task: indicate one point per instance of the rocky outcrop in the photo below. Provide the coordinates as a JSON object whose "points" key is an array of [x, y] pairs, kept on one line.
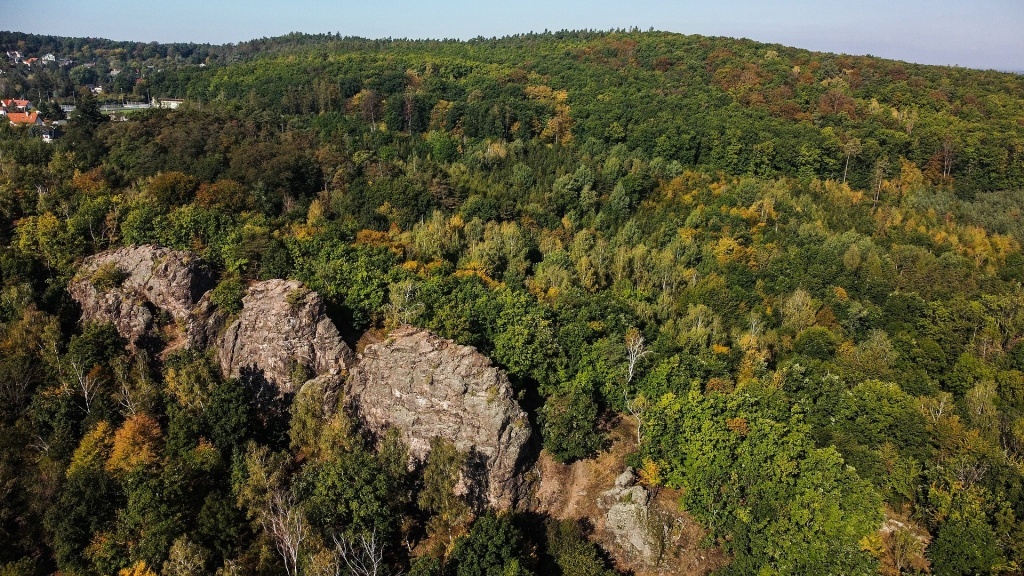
{"points": [[426, 387], [629, 519], [126, 286], [282, 334], [204, 326]]}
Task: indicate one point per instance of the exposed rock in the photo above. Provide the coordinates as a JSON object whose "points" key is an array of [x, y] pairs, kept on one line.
{"points": [[126, 285], [426, 387], [282, 333], [626, 479], [204, 326], [629, 518]]}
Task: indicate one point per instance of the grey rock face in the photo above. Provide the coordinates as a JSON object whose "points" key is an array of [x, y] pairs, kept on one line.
{"points": [[629, 520], [124, 287], [626, 479], [284, 333], [204, 325], [426, 387]]}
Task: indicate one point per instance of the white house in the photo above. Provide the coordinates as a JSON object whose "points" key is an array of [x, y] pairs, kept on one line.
{"points": [[171, 103]]}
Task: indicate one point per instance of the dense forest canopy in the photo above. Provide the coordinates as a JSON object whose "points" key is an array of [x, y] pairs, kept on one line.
{"points": [[797, 274]]}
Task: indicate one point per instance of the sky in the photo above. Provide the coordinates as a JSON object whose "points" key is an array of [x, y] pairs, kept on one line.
{"points": [[971, 33]]}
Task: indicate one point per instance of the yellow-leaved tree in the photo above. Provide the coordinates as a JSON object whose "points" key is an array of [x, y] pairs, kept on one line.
{"points": [[93, 450], [136, 444], [137, 569]]}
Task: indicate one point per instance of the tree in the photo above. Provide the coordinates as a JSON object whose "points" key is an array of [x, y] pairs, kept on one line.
{"points": [[965, 545], [362, 557], [851, 147], [880, 172], [267, 502], [573, 552], [93, 451], [85, 505], [185, 558], [87, 113], [173, 188], [569, 420], [82, 135], [816, 342], [635, 351], [799, 310], [136, 444], [23, 347], [82, 75], [350, 495], [449, 511], [493, 547], [787, 506], [899, 548], [948, 149], [137, 569], [285, 523], [402, 309]]}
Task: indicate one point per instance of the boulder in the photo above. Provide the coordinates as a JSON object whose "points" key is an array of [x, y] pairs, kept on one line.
{"points": [[283, 335], [630, 521], [126, 286], [427, 386]]}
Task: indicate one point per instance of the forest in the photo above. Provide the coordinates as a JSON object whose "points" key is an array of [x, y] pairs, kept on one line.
{"points": [[797, 277]]}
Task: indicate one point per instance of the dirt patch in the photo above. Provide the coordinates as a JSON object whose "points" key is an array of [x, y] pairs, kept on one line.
{"points": [[685, 551], [571, 492]]}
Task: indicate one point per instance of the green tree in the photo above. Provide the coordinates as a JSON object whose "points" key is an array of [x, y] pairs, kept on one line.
{"points": [[350, 495], [569, 421], [965, 545], [449, 511], [493, 547]]}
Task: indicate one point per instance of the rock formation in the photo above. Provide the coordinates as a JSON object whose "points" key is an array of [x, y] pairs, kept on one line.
{"points": [[127, 285], [205, 324], [283, 332], [426, 387], [629, 519]]}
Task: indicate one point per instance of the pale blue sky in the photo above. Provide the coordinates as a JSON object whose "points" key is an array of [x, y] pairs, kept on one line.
{"points": [[974, 33]]}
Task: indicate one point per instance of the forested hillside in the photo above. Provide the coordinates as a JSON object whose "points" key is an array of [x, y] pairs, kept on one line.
{"points": [[795, 276]]}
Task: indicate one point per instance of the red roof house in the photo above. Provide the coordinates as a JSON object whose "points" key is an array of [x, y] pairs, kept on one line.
{"points": [[24, 118], [12, 105]]}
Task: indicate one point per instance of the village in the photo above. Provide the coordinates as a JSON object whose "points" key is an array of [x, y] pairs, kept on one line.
{"points": [[21, 113]]}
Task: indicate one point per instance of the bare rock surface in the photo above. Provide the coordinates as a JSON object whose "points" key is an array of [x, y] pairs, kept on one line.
{"points": [[126, 285], [283, 334], [427, 386], [629, 520], [203, 327]]}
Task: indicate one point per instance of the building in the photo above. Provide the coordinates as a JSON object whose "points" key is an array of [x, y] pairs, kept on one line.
{"points": [[12, 105], [51, 133], [171, 103], [24, 119]]}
